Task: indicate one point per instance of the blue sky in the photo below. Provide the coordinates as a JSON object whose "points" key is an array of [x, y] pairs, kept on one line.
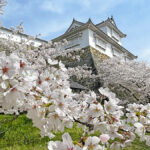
{"points": [[51, 18]]}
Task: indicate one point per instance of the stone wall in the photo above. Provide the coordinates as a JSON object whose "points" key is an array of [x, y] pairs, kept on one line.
{"points": [[98, 57], [85, 58], [128, 94], [91, 57]]}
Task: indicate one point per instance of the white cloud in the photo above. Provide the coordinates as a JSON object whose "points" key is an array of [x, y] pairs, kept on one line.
{"points": [[53, 6], [14, 9], [48, 28], [102, 6], [60, 6], [85, 3], [11, 8]]}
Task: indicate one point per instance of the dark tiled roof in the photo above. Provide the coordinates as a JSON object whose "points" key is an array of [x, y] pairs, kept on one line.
{"points": [[112, 22], [78, 22], [74, 21]]}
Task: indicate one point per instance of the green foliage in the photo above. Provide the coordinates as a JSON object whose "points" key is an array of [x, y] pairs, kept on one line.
{"points": [[18, 133], [137, 145]]}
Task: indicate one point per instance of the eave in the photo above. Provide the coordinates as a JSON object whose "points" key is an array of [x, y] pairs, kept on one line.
{"points": [[111, 25]]}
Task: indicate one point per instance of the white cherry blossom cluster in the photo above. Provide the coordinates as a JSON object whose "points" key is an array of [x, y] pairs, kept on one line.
{"points": [[44, 94], [43, 91], [106, 119], [51, 99], [133, 76], [139, 116], [91, 143], [16, 81], [88, 113], [2, 4]]}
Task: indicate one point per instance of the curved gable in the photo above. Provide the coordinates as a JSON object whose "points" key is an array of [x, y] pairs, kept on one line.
{"points": [[75, 24]]}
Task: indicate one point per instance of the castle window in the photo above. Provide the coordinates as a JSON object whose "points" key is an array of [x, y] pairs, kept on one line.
{"points": [[100, 44], [115, 36], [115, 52]]}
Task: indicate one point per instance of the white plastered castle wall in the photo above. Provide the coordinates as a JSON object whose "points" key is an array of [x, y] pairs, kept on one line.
{"points": [[92, 42], [111, 33], [78, 40], [6, 34], [86, 38]]}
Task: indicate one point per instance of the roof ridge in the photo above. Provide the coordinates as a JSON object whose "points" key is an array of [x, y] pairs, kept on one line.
{"points": [[74, 20], [113, 23]]}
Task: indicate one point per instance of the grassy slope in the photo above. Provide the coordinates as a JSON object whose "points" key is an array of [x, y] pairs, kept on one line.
{"points": [[19, 134]]}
